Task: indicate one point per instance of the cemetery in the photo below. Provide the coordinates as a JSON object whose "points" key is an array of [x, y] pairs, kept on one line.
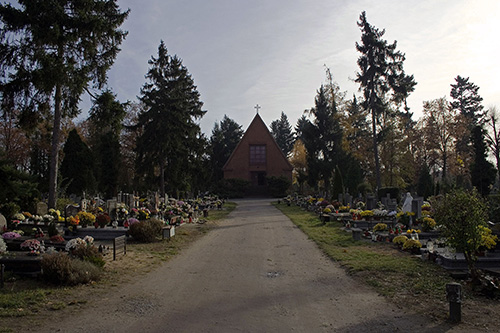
{"points": [[409, 226], [101, 228]]}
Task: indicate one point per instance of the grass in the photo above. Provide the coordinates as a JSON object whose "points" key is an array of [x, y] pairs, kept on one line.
{"points": [[397, 275], [27, 297]]}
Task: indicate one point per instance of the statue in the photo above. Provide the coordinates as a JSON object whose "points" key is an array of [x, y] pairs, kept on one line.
{"points": [[407, 203]]}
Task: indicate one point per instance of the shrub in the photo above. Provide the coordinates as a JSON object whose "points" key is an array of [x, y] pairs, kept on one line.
{"points": [[89, 253], [146, 231], [59, 268], [278, 186]]}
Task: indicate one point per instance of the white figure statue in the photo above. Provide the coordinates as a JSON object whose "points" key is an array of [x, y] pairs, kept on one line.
{"points": [[407, 202]]}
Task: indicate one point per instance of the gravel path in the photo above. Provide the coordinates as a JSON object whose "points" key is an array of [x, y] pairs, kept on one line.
{"points": [[256, 272]]}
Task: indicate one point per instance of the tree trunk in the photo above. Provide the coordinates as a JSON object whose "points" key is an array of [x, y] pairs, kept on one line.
{"points": [[162, 178], [445, 160], [375, 150], [54, 150]]}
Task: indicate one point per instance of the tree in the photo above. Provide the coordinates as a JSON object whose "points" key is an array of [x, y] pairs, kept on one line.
{"points": [[381, 72], [298, 159], [467, 100], [106, 118], [51, 51], [225, 137], [77, 167], [442, 127], [282, 133], [482, 171], [462, 216], [493, 139], [169, 137], [322, 139]]}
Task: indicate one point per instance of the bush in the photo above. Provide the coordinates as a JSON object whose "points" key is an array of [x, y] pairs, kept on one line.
{"points": [[89, 253], [59, 268], [232, 188], [278, 186], [146, 231]]}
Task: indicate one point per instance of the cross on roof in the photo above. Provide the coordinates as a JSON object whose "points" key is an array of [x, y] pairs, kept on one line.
{"points": [[257, 107]]}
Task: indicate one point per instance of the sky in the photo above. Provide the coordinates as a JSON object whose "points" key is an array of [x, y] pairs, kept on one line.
{"points": [[273, 53]]}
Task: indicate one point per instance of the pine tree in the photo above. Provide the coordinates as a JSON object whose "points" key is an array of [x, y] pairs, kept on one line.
{"points": [[225, 137], [51, 51], [381, 72], [482, 171], [77, 167], [281, 130], [106, 118], [168, 124]]}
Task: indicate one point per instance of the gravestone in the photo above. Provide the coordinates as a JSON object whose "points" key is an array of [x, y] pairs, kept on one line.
{"points": [[370, 202], [341, 198], [348, 200], [3, 222], [392, 205], [111, 208], [416, 207], [71, 210], [41, 208]]}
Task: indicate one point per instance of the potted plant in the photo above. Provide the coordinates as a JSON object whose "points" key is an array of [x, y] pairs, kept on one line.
{"points": [[86, 219], [413, 246]]}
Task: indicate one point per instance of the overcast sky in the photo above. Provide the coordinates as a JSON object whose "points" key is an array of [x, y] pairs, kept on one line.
{"points": [[272, 52]]}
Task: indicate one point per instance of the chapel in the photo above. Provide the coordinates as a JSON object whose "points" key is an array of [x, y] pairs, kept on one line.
{"points": [[256, 157]]}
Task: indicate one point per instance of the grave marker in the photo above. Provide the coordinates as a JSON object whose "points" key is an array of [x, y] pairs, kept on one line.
{"points": [[3, 222], [41, 208], [370, 202]]}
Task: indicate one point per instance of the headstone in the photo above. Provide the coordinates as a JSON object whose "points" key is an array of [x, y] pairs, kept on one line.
{"points": [[416, 207], [384, 201], [111, 206], [348, 200], [392, 205], [3, 222], [370, 202], [341, 198], [71, 210], [41, 208]]}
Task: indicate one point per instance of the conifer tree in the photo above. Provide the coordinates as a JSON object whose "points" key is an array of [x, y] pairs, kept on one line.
{"points": [[170, 135], [49, 53], [77, 167], [225, 137], [281, 130], [381, 73]]}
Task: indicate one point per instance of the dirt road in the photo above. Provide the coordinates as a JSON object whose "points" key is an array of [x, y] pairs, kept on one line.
{"points": [[256, 272]]}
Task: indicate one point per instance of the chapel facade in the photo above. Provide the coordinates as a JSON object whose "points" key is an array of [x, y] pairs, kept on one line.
{"points": [[256, 157]]}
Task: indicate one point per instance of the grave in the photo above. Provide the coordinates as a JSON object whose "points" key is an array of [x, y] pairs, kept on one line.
{"points": [[41, 208], [3, 222], [370, 202]]}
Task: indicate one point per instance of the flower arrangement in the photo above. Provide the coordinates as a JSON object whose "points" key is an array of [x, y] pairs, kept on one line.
{"points": [[27, 215], [47, 218], [412, 245], [400, 240], [327, 210], [57, 239], [428, 223], [366, 213], [3, 246], [410, 231], [10, 235], [102, 220], [344, 209], [379, 212], [74, 220], [121, 211], [38, 232], [143, 214], [19, 216], [404, 217], [32, 245], [129, 222], [86, 218], [380, 227], [73, 243]]}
